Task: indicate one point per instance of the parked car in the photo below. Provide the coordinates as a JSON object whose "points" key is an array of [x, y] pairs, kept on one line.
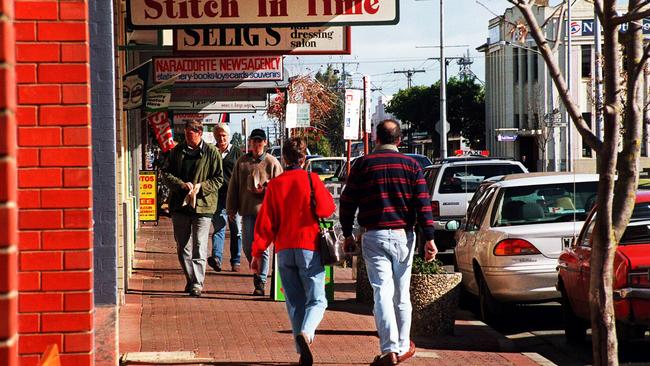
{"points": [[514, 232], [452, 183], [324, 167], [277, 151], [631, 277], [423, 160]]}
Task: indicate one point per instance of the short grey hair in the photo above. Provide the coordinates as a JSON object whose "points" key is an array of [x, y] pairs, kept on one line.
{"points": [[221, 126]]}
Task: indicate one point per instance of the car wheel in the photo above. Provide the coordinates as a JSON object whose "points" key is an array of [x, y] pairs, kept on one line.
{"points": [[489, 308], [575, 328]]}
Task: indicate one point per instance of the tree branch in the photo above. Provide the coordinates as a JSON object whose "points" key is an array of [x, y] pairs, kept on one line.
{"points": [[631, 17], [641, 65], [598, 7], [587, 135]]}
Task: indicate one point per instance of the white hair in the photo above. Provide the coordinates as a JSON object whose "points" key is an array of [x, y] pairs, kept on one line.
{"points": [[221, 126]]}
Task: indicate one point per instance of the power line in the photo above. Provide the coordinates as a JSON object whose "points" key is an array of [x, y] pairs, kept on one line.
{"points": [[409, 74]]}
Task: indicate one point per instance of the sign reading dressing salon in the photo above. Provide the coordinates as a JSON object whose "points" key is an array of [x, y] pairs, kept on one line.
{"points": [[218, 69], [158, 14]]}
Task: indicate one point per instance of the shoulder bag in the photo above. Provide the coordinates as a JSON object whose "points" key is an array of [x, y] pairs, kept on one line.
{"points": [[329, 247]]}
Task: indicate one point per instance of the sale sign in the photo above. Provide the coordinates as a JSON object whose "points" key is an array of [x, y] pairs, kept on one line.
{"points": [[162, 129], [218, 69], [148, 185]]}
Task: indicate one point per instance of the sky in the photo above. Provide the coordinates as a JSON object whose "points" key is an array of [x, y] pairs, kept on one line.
{"points": [[381, 50]]}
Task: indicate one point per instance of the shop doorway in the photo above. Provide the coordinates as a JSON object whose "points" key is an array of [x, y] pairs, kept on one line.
{"points": [[529, 153]]}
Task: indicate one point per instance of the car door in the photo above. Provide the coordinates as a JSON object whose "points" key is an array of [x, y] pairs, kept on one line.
{"points": [[578, 270]]}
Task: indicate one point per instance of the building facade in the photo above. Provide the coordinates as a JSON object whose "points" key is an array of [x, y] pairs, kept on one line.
{"points": [[525, 118]]}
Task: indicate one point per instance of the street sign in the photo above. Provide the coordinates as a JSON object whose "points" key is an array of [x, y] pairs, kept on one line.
{"points": [[437, 127], [166, 14]]}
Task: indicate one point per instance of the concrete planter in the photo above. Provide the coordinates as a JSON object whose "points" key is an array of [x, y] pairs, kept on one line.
{"points": [[435, 299]]}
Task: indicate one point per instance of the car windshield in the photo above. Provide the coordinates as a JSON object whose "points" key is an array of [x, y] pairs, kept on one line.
{"points": [[556, 202], [325, 166], [638, 230], [467, 178]]}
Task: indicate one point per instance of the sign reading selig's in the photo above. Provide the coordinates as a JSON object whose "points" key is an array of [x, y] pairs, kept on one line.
{"points": [[157, 14], [218, 69], [293, 40]]}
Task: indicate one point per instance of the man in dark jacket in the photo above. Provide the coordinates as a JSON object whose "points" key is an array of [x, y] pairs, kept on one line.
{"points": [[390, 192], [194, 175], [229, 156]]}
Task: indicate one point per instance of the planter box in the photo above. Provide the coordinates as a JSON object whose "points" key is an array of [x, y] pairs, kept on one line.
{"points": [[435, 299]]}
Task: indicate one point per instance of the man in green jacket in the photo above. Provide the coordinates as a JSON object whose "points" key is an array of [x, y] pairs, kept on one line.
{"points": [[193, 173]]}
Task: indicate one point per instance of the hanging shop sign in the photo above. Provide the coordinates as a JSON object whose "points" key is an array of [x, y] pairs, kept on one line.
{"points": [[148, 207], [162, 128], [352, 114], [293, 40], [219, 100], [134, 84], [159, 14], [218, 69]]}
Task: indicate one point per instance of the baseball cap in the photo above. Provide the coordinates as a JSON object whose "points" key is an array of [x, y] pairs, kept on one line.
{"points": [[257, 134]]}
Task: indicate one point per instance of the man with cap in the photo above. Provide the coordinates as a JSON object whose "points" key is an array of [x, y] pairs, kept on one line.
{"points": [[229, 156], [245, 195], [194, 175]]}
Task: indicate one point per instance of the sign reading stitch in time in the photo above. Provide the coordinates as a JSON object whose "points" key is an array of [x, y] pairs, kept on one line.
{"points": [[218, 69]]}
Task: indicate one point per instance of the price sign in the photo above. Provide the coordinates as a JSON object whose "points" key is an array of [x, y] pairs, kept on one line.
{"points": [[148, 201]]}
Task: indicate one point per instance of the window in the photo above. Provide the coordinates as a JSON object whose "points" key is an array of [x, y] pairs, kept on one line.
{"points": [[466, 179], [586, 150], [476, 216], [546, 203], [586, 60], [515, 63]]}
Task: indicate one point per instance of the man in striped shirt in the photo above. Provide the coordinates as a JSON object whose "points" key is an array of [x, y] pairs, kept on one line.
{"points": [[390, 192]]}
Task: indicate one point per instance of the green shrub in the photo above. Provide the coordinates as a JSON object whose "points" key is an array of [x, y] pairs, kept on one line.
{"points": [[420, 266]]}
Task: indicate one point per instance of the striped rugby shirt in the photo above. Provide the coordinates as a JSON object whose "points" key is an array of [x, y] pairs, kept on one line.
{"points": [[389, 190]]}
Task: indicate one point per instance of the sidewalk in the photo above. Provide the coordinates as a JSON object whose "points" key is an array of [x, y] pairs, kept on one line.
{"points": [[228, 326]]}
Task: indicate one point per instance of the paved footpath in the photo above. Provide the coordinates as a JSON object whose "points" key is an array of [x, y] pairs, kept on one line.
{"points": [[229, 326]]}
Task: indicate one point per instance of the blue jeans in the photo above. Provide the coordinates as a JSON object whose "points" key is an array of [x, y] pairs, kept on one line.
{"points": [[219, 221], [389, 256], [303, 280], [248, 230]]}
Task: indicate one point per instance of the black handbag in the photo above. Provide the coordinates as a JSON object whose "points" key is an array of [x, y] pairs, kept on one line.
{"points": [[329, 246]]}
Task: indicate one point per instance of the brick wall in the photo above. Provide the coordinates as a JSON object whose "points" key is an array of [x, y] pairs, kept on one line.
{"points": [[8, 209], [54, 180]]}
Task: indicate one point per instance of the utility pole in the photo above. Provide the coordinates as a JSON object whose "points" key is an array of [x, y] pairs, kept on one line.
{"points": [[409, 75], [569, 129], [443, 86]]}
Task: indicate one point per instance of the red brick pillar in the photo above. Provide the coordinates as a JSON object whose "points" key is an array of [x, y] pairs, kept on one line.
{"points": [[54, 180], [8, 210]]}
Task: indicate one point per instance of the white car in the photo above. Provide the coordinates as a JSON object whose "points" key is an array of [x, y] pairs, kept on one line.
{"points": [[452, 183], [325, 167], [515, 229]]}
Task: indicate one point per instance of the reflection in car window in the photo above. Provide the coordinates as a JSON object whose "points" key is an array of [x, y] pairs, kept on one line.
{"points": [[464, 179], [586, 240], [557, 202]]}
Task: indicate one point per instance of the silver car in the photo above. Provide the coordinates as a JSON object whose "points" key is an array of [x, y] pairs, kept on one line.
{"points": [[514, 231]]}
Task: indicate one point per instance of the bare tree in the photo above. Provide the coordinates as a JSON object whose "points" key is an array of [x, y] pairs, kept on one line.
{"points": [[615, 196]]}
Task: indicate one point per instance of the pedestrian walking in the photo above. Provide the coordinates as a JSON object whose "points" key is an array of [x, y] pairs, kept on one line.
{"points": [[286, 219], [194, 175], [246, 189], [229, 156], [389, 190]]}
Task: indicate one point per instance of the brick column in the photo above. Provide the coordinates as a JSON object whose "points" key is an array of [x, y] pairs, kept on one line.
{"points": [[8, 210], [54, 180]]}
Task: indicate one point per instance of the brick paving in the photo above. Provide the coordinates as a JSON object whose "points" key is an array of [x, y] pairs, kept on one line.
{"points": [[232, 327]]}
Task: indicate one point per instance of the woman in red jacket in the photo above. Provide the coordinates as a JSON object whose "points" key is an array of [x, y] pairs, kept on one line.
{"points": [[286, 220]]}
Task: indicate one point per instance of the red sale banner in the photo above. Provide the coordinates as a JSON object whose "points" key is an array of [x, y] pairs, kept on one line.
{"points": [[162, 128]]}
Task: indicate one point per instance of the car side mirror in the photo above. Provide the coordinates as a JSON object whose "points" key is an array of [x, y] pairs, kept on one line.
{"points": [[452, 225]]}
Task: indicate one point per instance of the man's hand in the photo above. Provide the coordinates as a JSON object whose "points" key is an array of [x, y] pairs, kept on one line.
{"points": [[350, 245], [430, 250], [256, 265], [188, 186]]}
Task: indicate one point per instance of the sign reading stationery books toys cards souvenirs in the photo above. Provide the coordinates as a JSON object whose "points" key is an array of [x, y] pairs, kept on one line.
{"points": [[148, 207], [218, 69]]}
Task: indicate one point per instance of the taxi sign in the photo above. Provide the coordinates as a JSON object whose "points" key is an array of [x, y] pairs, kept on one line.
{"points": [[460, 152]]}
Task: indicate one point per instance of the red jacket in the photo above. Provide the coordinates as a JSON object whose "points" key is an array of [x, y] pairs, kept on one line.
{"points": [[285, 218]]}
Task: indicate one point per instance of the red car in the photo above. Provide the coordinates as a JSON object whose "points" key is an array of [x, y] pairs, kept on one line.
{"points": [[631, 277]]}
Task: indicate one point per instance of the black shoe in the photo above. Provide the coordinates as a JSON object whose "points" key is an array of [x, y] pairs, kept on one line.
{"points": [[259, 291], [196, 292], [188, 287], [306, 358], [215, 263]]}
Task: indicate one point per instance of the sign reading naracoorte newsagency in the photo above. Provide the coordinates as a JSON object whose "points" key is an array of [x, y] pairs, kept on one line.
{"points": [[218, 69], [158, 14], [293, 40]]}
